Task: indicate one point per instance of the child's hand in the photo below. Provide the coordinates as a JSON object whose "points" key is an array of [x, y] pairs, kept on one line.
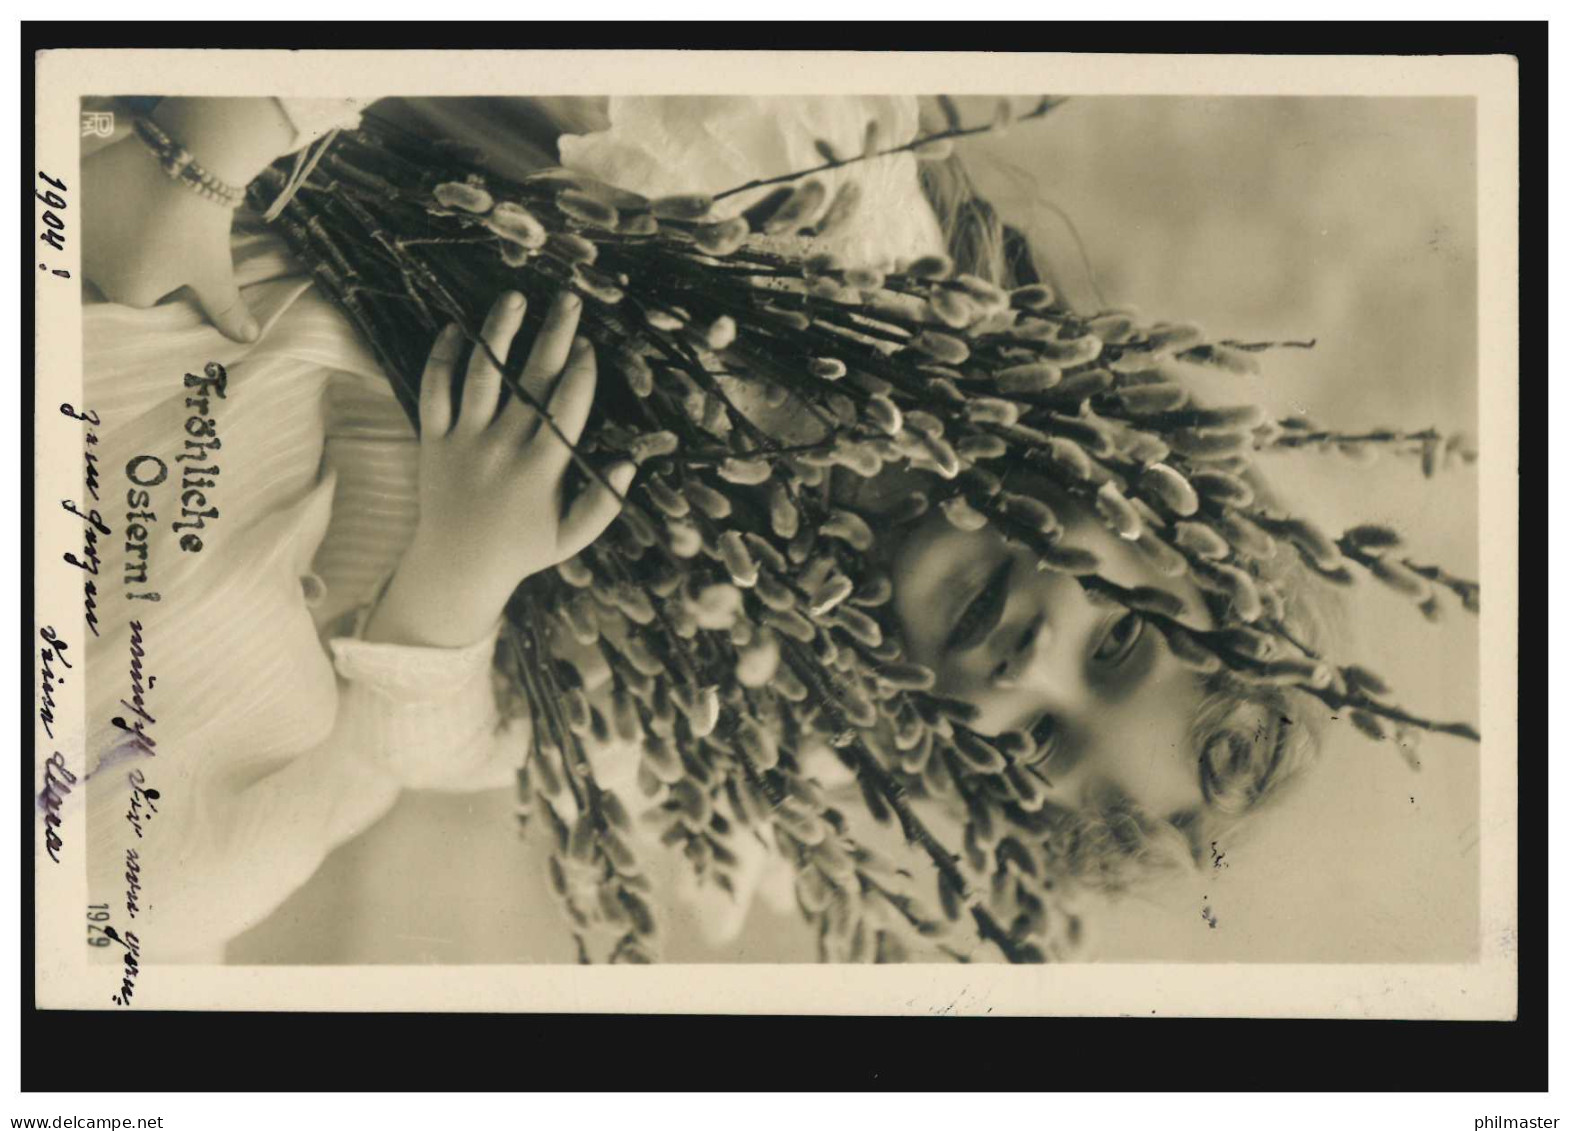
{"points": [[492, 510], [145, 236]]}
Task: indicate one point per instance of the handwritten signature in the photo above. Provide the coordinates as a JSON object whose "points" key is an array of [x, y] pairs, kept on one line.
{"points": [[57, 784]]}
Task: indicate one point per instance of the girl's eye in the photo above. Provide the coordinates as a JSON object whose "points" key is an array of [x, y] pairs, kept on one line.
{"points": [[1043, 732], [983, 613], [1121, 640]]}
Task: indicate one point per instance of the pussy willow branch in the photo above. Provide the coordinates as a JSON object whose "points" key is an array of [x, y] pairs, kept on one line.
{"points": [[915, 831], [1045, 107], [1296, 438], [1215, 641]]}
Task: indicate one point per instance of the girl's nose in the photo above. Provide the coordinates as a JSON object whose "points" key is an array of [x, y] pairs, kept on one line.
{"points": [[1019, 656]]}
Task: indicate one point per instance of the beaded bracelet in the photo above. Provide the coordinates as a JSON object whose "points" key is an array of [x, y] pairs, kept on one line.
{"points": [[177, 161]]}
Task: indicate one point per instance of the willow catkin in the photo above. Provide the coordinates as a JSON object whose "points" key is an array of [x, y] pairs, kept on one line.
{"points": [[805, 202], [1150, 400], [1207, 446], [1165, 560], [1369, 724], [748, 472], [1068, 559], [1246, 536], [682, 206], [1249, 643], [943, 347], [984, 293], [1199, 538], [980, 447], [712, 503], [1168, 485], [1149, 599], [587, 209], [953, 308], [581, 619], [652, 445], [961, 515], [1034, 296], [1401, 579], [1072, 351], [722, 239], [1069, 457], [862, 458], [737, 559], [1030, 513], [1366, 682], [516, 224], [465, 197], [1190, 652], [1113, 329], [1032, 377], [720, 335], [1243, 592], [1373, 539], [1118, 513], [976, 753], [848, 527], [1084, 384], [571, 249], [666, 498], [783, 514], [1222, 487], [841, 210], [575, 572], [992, 410], [1311, 542]]}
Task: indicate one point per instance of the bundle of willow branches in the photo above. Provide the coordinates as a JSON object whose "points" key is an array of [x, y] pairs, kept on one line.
{"points": [[738, 602]]}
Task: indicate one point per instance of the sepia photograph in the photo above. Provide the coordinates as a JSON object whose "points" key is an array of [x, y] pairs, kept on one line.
{"points": [[934, 525]]}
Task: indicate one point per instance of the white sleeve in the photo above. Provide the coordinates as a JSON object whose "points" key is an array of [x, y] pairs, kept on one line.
{"points": [[313, 117], [426, 717], [237, 836]]}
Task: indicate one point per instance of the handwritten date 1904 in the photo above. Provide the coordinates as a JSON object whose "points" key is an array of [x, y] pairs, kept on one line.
{"points": [[54, 226]]}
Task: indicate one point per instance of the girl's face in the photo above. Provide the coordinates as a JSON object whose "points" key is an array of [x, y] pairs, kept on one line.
{"points": [[1093, 684]]}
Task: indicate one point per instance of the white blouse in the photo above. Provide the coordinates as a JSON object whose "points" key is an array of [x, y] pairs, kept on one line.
{"points": [[271, 748]]}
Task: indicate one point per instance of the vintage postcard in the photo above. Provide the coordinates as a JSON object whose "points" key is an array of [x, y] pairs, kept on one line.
{"points": [[1018, 534]]}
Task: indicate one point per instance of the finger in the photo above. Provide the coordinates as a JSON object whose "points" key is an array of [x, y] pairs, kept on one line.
{"points": [[220, 301], [482, 384], [553, 345], [435, 386], [593, 510], [546, 359], [569, 407]]}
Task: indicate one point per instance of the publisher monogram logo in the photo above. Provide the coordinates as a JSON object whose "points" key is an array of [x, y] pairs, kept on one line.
{"points": [[98, 123]]}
